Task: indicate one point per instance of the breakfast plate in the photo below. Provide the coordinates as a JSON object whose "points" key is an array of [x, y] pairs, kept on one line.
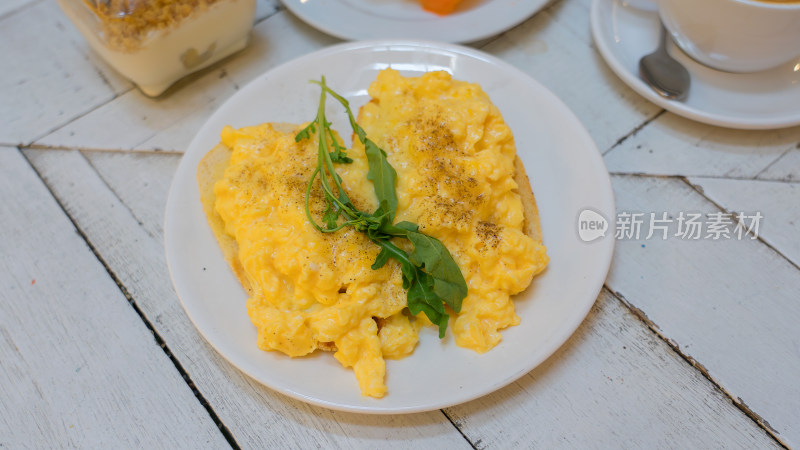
{"points": [[567, 176], [403, 19], [624, 31]]}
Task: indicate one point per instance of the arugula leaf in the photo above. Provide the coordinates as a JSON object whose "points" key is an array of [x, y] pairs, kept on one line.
{"points": [[448, 282], [430, 254], [338, 154], [430, 274], [306, 132], [381, 259], [379, 224], [330, 216], [422, 297], [405, 227], [382, 175]]}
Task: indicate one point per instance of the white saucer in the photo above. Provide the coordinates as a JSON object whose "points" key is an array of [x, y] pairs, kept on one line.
{"points": [[405, 19], [624, 31]]}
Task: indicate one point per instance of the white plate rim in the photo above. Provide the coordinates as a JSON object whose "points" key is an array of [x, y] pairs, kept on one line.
{"points": [[679, 108], [454, 28], [555, 341]]}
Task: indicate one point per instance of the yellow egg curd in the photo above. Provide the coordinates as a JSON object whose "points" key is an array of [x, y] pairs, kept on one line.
{"points": [[454, 157]]}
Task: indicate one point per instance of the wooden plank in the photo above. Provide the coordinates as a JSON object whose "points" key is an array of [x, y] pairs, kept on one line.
{"points": [[266, 8], [778, 202], [546, 48], [54, 77], [613, 384], [9, 7], [142, 182], [729, 304], [787, 168], [170, 123], [79, 369], [573, 15], [256, 416], [672, 145]]}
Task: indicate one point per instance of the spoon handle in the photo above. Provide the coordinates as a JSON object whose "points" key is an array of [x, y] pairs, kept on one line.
{"points": [[662, 43]]}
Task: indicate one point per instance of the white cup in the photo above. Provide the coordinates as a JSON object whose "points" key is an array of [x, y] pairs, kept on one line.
{"points": [[735, 35]]}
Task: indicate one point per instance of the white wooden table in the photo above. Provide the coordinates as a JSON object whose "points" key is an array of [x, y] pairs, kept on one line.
{"points": [[692, 343]]}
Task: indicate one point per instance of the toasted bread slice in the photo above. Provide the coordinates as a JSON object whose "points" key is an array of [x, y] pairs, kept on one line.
{"points": [[209, 171], [212, 168], [531, 226]]}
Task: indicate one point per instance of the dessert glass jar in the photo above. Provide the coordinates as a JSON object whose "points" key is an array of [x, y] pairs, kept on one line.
{"points": [[154, 43]]}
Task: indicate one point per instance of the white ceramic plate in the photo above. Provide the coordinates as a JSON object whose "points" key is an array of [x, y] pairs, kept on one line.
{"points": [[567, 175], [405, 19], [624, 31]]}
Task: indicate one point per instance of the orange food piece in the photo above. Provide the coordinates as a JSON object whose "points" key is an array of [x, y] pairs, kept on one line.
{"points": [[440, 7]]}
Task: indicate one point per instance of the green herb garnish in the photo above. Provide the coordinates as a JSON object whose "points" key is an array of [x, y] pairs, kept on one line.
{"points": [[431, 277]]}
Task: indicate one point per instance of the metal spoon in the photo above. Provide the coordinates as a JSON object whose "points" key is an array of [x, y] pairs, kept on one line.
{"points": [[665, 75]]}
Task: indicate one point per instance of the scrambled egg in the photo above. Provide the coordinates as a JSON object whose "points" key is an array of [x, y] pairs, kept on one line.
{"points": [[454, 157]]}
